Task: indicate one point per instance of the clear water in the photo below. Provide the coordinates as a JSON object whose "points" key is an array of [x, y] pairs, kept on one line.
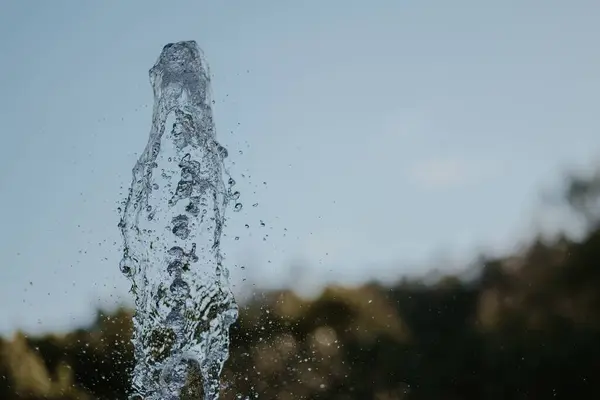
{"points": [[171, 226]]}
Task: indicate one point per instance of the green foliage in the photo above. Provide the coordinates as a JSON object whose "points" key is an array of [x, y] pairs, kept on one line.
{"points": [[527, 328]]}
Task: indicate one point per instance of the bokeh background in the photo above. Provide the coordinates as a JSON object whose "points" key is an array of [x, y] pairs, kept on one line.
{"points": [[419, 179]]}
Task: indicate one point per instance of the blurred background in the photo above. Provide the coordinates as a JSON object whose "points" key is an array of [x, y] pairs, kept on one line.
{"points": [[420, 186]]}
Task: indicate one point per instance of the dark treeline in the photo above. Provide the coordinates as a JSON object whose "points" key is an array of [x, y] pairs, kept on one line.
{"points": [[528, 327]]}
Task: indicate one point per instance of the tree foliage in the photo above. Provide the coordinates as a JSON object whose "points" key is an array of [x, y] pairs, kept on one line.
{"points": [[528, 327]]}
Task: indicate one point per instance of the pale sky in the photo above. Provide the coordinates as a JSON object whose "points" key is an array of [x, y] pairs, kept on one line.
{"points": [[386, 132]]}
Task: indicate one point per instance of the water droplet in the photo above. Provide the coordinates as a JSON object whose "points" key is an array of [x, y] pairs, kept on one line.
{"points": [[180, 226], [235, 195], [237, 238], [155, 186], [247, 226], [231, 182], [222, 151], [237, 207], [176, 251], [125, 268]]}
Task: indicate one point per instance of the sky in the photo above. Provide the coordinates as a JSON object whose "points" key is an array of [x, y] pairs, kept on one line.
{"points": [[371, 135]]}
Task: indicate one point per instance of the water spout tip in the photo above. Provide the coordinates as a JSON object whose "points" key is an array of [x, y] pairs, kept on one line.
{"points": [[184, 43]]}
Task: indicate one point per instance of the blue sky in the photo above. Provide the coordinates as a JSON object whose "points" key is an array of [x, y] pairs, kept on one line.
{"points": [[387, 132]]}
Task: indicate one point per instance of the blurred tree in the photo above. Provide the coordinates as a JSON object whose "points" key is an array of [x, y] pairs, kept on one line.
{"points": [[527, 328], [583, 195]]}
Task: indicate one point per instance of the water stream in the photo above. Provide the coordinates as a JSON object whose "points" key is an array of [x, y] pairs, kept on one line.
{"points": [[171, 226]]}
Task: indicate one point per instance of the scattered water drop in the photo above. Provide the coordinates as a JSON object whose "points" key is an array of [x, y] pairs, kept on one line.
{"points": [[237, 207], [222, 151]]}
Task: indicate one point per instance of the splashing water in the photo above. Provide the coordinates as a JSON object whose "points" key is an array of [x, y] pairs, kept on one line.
{"points": [[171, 226]]}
